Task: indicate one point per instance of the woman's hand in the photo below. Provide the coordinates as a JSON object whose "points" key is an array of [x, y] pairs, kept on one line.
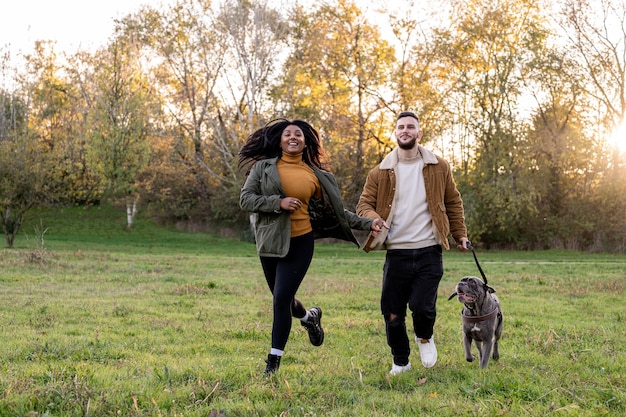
{"points": [[377, 226], [290, 204]]}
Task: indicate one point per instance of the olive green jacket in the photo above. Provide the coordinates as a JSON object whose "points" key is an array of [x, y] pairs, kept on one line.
{"points": [[443, 198], [261, 195]]}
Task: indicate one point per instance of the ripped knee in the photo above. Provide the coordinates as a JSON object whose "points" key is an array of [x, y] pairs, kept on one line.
{"points": [[394, 320]]}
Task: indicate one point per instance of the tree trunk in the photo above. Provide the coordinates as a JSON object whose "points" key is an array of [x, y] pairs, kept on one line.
{"points": [[131, 211], [11, 225]]}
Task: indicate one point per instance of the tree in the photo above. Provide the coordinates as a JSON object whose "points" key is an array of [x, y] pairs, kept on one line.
{"points": [[485, 50], [596, 33], [60, 102], [23, 169], [339, 83], [24, 162], [187, 55], [255, 34], [563, 158], [192, 56], [120, 120], [419, 79]]}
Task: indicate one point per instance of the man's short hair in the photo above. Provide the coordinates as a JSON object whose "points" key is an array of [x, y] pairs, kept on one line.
{"points": [[407, 114]]}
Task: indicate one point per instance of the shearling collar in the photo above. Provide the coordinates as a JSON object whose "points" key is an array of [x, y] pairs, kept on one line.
{"points": [[391, 160]]}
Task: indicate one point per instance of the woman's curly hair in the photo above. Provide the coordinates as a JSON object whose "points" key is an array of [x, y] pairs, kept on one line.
{"points": [[264, 143]]}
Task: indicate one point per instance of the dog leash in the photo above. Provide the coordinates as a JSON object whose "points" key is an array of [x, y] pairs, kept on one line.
{"points": [[470, 247], [497, 312]]}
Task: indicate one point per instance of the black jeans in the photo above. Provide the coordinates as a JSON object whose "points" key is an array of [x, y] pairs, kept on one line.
{"points": [[284, 276], [410, 276]]}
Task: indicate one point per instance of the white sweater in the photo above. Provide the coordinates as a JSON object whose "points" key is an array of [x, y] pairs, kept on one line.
{"points": [[411, 226]]}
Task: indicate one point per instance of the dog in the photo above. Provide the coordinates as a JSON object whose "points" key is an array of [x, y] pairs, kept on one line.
{"points": [[482, 318]]}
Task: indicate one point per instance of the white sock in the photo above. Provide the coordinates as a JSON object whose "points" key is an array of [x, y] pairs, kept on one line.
{"points": [[306, 317], [276, 352]]}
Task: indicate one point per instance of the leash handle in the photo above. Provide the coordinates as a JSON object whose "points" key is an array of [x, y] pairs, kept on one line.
{"points": [[470, 247]]}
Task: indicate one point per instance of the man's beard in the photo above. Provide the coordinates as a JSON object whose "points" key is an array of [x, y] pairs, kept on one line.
{"points": [[408, 145]]}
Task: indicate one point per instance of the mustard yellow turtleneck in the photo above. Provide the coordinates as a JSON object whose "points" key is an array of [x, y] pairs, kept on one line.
{"points": [[298, 181]]}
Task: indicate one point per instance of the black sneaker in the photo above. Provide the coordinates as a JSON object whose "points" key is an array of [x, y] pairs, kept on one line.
{"points": [[314, 326], [273, 363]]}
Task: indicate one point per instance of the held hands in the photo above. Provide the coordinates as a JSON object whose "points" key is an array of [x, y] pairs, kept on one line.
{"points": [[290, 204], [377, 226]]}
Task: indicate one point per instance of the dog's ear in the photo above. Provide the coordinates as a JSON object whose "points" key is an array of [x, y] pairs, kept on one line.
{"points": [[452, 296], [489, 289]]}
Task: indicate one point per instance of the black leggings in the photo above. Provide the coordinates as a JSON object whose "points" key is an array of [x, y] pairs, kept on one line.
{"points": [[284, 276]]}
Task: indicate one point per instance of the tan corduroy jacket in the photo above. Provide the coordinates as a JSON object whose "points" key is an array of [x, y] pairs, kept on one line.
{"points": [[443, 197]]}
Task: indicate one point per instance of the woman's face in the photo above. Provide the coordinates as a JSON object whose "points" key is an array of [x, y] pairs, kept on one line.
{"points": [[292, 140]]}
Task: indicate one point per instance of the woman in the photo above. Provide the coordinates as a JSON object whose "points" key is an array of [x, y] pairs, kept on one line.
{"points": [[295, 199]]}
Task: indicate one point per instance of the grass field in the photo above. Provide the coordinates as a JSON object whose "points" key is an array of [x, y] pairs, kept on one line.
{"points": [[100, 321]]}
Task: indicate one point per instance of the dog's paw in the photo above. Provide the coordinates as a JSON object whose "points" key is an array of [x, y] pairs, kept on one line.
{"points": [[470, 358]]}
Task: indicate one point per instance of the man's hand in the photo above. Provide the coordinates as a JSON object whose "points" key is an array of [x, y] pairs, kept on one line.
{"points": [[377, 226]]}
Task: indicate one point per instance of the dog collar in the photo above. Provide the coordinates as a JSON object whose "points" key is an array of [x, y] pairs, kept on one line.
{"points": [[476, 319]]}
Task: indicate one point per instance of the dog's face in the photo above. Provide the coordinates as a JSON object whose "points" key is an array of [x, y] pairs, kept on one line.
{"points": [[471, 290]]}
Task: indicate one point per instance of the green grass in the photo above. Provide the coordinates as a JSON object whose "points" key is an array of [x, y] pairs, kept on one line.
{"points": [[158, 322]]}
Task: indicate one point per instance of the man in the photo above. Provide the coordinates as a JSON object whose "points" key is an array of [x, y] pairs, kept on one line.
{"points": [[414, 192]]}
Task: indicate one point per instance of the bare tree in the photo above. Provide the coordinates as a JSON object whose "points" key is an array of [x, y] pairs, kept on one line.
{"points": [[596, 31], [187, 56], [256, 35]]}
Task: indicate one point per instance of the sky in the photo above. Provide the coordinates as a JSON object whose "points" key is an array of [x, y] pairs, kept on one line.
{"points": [[73, 24], [82, 24]]}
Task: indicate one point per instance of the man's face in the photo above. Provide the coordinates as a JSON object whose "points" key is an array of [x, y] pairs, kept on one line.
{"points": [[407, 132]]}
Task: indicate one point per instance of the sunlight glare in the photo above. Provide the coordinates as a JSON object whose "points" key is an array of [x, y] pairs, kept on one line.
{"points": [[618, 138]]}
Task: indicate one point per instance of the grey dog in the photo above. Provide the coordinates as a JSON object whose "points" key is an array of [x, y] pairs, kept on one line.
{"points": [[482, 318]]}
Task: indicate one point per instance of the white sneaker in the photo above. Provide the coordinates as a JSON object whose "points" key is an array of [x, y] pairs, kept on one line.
{"points": [[428, 351], [398, 369]]}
